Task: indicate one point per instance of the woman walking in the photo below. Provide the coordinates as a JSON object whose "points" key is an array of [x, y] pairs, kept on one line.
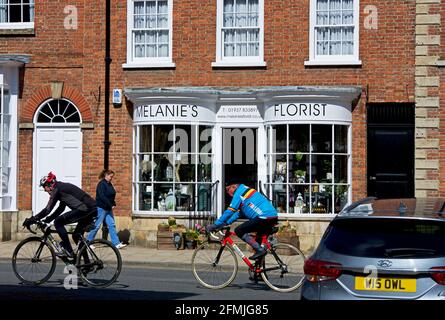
{"points": [[105, 195]]}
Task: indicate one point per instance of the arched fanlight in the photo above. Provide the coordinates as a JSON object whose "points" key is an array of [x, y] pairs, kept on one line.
{"points": [[58, 111]]}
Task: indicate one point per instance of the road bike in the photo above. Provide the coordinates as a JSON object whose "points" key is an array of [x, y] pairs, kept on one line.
{"points": [[98, 262], [215, 265]]}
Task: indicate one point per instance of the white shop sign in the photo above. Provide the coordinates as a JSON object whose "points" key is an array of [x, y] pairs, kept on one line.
{"points": [[172, 113], [238, 114], [307, 112]]}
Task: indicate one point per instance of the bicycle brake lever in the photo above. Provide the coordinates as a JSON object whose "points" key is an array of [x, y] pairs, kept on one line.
{"points": [[214, 236]]}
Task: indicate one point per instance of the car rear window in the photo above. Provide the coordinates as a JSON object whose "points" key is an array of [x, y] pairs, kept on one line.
{"points": [[395, 238]]}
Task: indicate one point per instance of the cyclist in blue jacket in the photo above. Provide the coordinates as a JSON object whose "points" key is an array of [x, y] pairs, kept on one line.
{"points": [[251, 204]]}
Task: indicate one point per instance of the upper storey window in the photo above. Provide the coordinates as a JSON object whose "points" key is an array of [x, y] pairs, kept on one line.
{"points": [[240, 29], [334, 32], [16, 14], [149, 34]]}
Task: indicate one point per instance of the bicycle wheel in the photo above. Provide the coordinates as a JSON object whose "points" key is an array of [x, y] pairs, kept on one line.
{"points": [[211, 274], [101, 266], [283, 270], [33, 261]]}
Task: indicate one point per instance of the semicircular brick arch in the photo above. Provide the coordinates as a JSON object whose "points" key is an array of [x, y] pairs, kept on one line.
{"points": [[45, 93]]}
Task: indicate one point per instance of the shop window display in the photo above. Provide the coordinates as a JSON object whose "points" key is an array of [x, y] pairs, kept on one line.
{"points": [[174, 174], [308, 168]]}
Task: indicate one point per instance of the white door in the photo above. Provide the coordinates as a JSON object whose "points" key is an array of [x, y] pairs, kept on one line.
{"points": [[57, 149]]}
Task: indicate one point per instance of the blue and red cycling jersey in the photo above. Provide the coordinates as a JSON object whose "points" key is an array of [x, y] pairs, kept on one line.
{"points": [[247, 203]]}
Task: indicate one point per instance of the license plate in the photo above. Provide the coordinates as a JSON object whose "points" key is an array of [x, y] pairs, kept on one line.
{"points": [[385, 284]]}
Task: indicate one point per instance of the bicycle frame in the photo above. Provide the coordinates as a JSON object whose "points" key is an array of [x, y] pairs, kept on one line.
{"points": [[227, 240], [48, 238]]}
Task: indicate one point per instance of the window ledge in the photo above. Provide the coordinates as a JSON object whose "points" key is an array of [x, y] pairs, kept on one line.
{"points": [[148, 65], [441, 63], [333, 63], [220, 64], [4, 31]]}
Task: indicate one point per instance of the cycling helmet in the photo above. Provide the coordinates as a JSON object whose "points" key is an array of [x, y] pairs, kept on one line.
{"points": [[48, 180]]}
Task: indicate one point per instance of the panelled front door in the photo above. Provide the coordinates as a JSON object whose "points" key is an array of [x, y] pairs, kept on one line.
{"points": [[57, 149], [391, 150]]}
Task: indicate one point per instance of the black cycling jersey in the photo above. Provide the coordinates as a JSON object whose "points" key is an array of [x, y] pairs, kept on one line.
{"points": [[69, 196]]}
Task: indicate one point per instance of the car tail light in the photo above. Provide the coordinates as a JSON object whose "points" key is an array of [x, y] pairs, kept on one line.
{"points": [[438, 274], [318, 270]]}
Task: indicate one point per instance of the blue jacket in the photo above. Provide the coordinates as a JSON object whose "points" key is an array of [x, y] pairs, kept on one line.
{"points": [[105, 195], [247, 203]]}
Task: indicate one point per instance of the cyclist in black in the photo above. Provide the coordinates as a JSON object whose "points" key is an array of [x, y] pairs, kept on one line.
{"points": [[82, 205]]}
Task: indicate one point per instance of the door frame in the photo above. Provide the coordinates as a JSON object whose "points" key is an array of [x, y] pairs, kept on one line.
{"points": [[261, 148]]}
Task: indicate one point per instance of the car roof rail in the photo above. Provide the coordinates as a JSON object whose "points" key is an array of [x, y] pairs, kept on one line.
{"points": [[356, 204]]}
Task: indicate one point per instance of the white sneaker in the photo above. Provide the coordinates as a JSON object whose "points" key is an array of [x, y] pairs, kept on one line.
{"points": [[92, 247], [121, 245]]}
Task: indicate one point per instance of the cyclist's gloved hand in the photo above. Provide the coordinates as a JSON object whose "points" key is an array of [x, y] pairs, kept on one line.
{"points": [[211, 228], [28, 222], [46, 220]]}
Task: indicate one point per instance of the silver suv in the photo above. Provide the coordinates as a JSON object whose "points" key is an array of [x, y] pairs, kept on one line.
{"points": [[380, 249]]}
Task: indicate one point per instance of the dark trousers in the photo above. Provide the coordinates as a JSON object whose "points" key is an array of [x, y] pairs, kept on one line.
{"points": [[260, 226], [83, 219]]}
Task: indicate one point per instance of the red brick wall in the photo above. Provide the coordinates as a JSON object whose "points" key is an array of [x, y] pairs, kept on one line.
{"points": [[77, 58], [441, 74]]}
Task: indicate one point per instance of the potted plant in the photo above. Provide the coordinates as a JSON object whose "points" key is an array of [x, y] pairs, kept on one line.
{"points": [[163, 226], [287, 233], [191, 238]]}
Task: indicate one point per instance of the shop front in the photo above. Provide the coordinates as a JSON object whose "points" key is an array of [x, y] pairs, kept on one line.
{"points": [[294, 144]]}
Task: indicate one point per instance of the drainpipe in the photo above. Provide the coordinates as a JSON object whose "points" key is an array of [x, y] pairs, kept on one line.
{"points": [[108, 60]]}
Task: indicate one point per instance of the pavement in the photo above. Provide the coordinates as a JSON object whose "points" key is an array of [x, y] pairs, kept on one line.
{"points": [[131, 256]]}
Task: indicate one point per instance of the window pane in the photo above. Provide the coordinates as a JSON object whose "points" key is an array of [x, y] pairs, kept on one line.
{"points": [[185, 195], [322, 198], [279, 168], [321, 168], [163, 138], [185, 167], [163, 168], [299, 138], [279, 197], [164, 199], [279, 140], [145, 138], [322, 138], [205, 168], [205, 139], [145, 190], [341, 139], [341, 197], [298, 168], [204, 197], [145, 165], [185, 138], [341, 169], [298, 199]]}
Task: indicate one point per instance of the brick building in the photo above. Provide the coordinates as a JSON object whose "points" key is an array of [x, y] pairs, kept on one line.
{"points": [[333, 100]]}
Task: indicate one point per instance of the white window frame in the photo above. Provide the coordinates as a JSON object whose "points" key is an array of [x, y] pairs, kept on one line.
{"points": [[250, 61], [163, 62], [19, 25], [271, 153], [138, 183], [315, 59], [11, 166]]}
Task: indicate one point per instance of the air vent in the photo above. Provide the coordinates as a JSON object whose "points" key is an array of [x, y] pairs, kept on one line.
{"points": [[391, 113]]}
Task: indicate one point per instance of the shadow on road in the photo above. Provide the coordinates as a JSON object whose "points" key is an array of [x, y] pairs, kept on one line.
{"points": [[52, 292]]}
